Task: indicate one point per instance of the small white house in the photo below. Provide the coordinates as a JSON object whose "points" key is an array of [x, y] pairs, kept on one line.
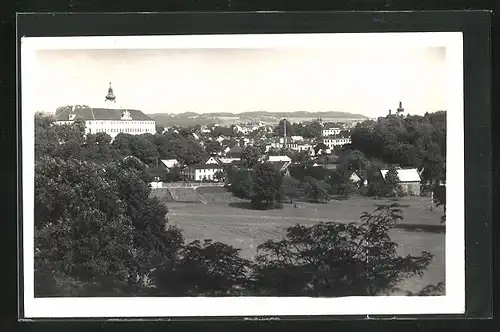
{"points": [[205, 172], [409, 179]]}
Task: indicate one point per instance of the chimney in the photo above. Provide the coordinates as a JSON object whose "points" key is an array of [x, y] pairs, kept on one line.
{"points": [[284, 132]]}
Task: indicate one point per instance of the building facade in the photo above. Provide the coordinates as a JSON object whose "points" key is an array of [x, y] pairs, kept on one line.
{"points": [[111, 121], [204, 172], [330, 131], [333, 142], [409, 180]]}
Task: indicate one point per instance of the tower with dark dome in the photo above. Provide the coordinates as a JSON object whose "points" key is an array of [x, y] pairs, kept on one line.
{"points": [[110, 97], [400, 109]]}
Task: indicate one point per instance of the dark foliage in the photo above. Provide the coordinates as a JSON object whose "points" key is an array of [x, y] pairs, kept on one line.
{"points": [[412, 141], [332, 259]]}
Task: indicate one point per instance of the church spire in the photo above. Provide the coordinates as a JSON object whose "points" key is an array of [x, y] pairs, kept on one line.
{"points": [[111, 96], [400, 108]]}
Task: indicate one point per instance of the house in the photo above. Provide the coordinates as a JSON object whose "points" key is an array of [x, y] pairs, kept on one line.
{"points": [[409, 179], [203, 172], [169, 163], [296, 138]]}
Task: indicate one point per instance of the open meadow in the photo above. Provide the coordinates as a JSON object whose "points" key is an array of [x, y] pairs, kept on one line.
{"points": [[220, 217]]}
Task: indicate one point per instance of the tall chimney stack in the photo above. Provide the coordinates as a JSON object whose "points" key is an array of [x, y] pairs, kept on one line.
{"points": [[284, 133]]}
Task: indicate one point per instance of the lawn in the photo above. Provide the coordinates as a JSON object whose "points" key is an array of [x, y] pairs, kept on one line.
{"points": [[233, 223]]}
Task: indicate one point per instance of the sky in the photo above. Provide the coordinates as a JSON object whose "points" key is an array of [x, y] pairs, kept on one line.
{"points": [[362, 81]]}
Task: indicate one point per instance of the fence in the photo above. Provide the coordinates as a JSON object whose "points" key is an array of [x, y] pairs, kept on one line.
{"points": [[156, 185]]}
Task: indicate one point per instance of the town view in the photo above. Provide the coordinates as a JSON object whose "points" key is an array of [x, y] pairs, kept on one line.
{"points": [[321, 204]]}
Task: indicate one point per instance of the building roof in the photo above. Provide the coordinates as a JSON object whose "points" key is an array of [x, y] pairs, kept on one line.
{"points": [[235, 150], [169, 163], [405, 175], [280, 166], [273, 159], [101, 114]]}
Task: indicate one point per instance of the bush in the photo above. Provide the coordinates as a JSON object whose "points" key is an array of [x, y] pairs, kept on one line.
{"points": [[335, 259], [202, 269]]}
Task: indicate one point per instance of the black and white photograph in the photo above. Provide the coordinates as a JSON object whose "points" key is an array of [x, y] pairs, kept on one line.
{"points": [[241, 175]]}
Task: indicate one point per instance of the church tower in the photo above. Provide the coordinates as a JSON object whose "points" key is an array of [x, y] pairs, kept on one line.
{"points": [[110, 98], [400, 109]]}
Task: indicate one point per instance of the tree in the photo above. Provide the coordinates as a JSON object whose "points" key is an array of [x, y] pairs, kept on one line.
{"points": [[240, 182], [98, 148], [267, 186], [414, 141], [336, 259], [291, 188], [279, 130], [439, 195], [46, 138], [159, 129], [173, 146], [139, 146], [312, 130], [262, 185], [250, 156], [301, 157], [320, 148], [316, 191], [353, 161], [71, 138], [213, 147], [219, 176], [392, 181], [97, 230], [202, 269]]}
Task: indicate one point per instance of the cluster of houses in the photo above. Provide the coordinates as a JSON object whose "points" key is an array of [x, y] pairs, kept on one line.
{"points": [[214, 170]]}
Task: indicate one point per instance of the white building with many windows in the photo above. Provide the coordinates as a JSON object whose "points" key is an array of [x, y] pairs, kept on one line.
{"points": [[333, 142], [111, 121], [332, 131]]}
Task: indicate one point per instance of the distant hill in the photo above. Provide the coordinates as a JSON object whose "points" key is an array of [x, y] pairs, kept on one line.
{"points": [[191, 118]]}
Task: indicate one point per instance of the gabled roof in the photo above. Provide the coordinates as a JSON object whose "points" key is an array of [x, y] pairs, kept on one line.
{"points": [[101, 114], [281, 166], [235, 150], [216, 160], [405, 175], [169, 163]]}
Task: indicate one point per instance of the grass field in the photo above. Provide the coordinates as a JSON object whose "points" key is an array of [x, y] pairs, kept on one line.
{"points": [[229, 220]]}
